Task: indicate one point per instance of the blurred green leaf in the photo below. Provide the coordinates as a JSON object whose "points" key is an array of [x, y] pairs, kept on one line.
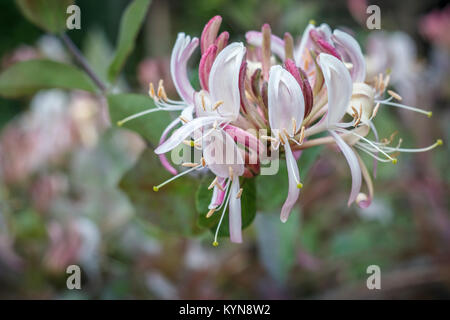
{"points": [[172, 208], [279, 181], [277, 243], [27, 77], [248, 207], [148, 126], [130, 25], [49, 15]]}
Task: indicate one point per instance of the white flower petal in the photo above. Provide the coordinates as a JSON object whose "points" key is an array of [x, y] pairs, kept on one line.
{"points": [[224, 80], [235, 215], [294, 180], [185, 131], [221, 153], [182, 51], [353, 163], [285, 98], [351, 48], [339, 87]]}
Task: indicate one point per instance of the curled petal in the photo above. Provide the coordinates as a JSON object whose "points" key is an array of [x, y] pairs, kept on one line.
{"points": [[235, 215], [185, 131], [353, 163], [162, 157], [209, 33], [363, 200], [339, 87], [182, 51], [285, 100], [224, 80], [206, 63], [294, 181], [255, 38], [218, 194], [305, 44], [350, 47]]}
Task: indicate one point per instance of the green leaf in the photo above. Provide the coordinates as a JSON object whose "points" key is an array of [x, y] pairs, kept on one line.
{"points": [[149, 126], [248, 207], [269, 200], [172, 208], [130, 25], [25, 78], [49, 15], [277, 243]]}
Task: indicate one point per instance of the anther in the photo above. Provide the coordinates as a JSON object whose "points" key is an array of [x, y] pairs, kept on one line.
{"points": [[230, 172], [294, 126], [202, 96], [203, 162], [239, 194], [217, 104], [394, 95], [210, 213], [213, 183], [190, 164], [151, 91], [302, 135], [183, 119]]}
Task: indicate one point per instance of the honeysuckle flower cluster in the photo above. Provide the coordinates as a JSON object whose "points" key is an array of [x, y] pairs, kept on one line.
{"points": [[273, 95]]}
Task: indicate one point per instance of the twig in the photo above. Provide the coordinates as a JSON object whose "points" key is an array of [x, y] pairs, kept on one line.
{"points": [[82, 62]]}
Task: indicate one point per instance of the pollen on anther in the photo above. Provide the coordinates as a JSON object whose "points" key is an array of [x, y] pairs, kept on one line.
{"points": [[394, 95], [439, 142], [429, 114], [215, 244], [239, 194], [217, 104], [394, 161], [155, 188], [210, 213], [299, 185]]}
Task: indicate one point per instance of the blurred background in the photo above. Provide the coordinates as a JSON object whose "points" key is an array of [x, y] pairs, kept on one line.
{"points": [[74, 190]]}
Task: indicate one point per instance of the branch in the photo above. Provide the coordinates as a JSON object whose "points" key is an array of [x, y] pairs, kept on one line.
{"points": [[83, 62]]}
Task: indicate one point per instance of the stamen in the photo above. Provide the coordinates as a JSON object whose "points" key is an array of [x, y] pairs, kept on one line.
{"points": [[151, 91], [191, 143], [210, 213], [230, 172], [203, 162], [215, 243], [202, 97], [267, 138], [239, 194], [183, 119], [213, 183], [217, 104], [395, 95], [137, 115], [190, 164], [156, 188], [375, 110], [393, 104], [294, 126], [302, 135], [280, 136]]}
